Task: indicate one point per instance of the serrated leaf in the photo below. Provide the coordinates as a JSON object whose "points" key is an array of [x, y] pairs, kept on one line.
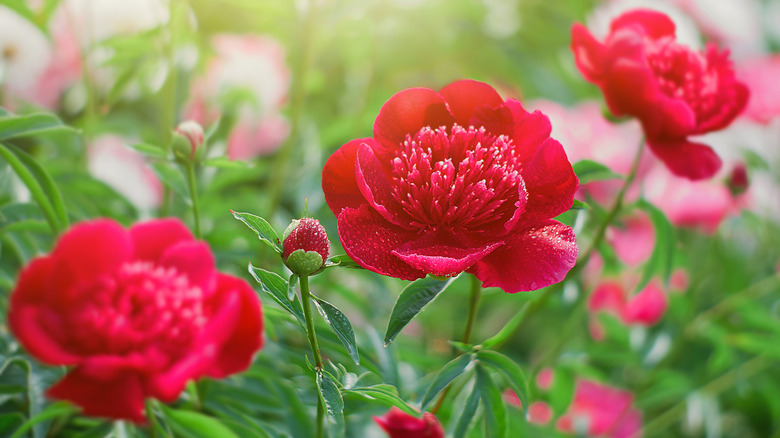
{"points": [[380, 394], [192, 424], [411, 301], [265, 232], [589, 171], [225, 163], [150, 150], [339, 323], [12, 126], [342, 260], [495, 409], [660, 261], [469, 411], [452, 370], [276, 286], [330, 396], [509, 369], [172, 178]]}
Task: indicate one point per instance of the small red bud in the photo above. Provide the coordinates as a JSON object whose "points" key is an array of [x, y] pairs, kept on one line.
{"points": [[738, 180], [305, 247]]}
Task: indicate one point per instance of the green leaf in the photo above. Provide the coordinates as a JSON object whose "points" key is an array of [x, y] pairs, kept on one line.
{"points": [[192, 424], [150, 150], [579, 205], [660, 261], [330, 396], [22, 126], [495, 409], [446, 375], [469, 411], [47, 184], [509, 369], [173, 178], [265, 232], [54, 410], [411, 301], [226, 163], [379, 393], [589, 171], [276, 286], [340, 325], [291, 287], [342, 260]]}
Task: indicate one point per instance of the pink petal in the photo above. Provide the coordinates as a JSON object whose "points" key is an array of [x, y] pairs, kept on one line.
{"points": [[405, 113], [194, 259], [443, 252], [634, 242], [235, 355], [369, 240], [550, 182], [120, 398], [608, 296], [338, 177], [655, 24], [532, 258], [89, 250], [477, 104], [687, 159], [376, 186], [152, 238], [647, 307], [588, 53]]}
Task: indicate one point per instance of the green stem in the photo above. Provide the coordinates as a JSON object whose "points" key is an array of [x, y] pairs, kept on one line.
{"points": [[315, 349], [475, 295], [194, 196], [152, 418], [660, 425]]}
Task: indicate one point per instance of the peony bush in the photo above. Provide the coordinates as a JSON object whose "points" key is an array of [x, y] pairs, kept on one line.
{"points": [[389, 219]]}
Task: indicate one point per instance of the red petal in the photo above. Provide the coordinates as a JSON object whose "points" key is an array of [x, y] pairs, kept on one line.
{"points": [[88, 250], [444, 252], [338, 177], [376, 187], [120, 398], [194, 259], [588, 53], [730, 108], [369, 240], [607, 297], [531, 129], [550, 182], [531, 258], [477, 104], [152, 238], [675, 119], [406, 113], [654, 23], [687, 159], [631, 89], [236, 353]]}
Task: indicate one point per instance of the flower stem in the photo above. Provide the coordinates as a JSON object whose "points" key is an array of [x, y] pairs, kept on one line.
{"points": [[194, 196], [315, 349], [475, 295], [151, 418]]}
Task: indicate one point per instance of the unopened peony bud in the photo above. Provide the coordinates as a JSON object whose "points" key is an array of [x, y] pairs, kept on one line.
{"points": [[188, 141], [738, 180], [305, 247]]}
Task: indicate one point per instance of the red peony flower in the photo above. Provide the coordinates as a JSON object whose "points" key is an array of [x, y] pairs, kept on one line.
{"points": [[136, 313], [674, 91], [458, 180], [399, 424], [607, 412]]}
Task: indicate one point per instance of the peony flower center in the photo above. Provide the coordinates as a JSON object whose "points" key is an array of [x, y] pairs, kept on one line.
{"points": [[141, 306], [465, 178], [685, 74]]}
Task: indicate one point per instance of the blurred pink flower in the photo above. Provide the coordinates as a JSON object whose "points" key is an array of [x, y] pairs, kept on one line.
{"points": [[644, 308], [761, 74], [539, 413], [587, 135], [126, 171], [544, 379], [679, 281], [256, 66], [733, 23], [634, 239], [607, 411]]}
